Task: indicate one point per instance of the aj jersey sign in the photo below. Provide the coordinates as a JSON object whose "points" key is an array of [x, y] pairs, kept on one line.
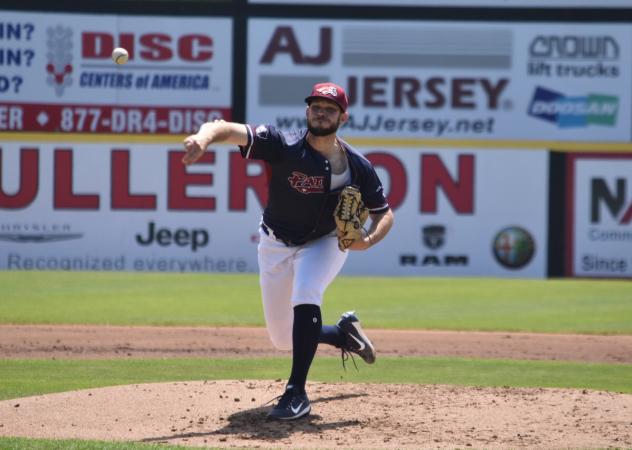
{"points": [[448, 80]]}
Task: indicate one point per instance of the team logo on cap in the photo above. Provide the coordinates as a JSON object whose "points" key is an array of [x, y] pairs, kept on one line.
{"points": [[328, 90]]}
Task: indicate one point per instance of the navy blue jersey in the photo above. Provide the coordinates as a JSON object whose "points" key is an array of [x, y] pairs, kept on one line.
{"points": [[300, 203]]}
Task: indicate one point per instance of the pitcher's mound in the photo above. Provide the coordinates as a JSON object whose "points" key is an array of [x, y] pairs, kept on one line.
{"points": [[232, 414]]}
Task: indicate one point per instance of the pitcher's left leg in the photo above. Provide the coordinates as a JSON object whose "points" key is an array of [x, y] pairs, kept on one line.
{"points": [[315, 267]]}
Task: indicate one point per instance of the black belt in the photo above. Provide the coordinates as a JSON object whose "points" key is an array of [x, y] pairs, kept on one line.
{"points": [[289, 243]]}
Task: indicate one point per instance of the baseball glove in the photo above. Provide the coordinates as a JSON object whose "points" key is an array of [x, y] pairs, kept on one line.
{"points": [[350, 215]]}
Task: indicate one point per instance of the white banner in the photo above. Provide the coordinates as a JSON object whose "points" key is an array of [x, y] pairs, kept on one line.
{"points": [[600, 216], [58, 74], [461, 213], [69, 206], [126, 207], [457, 80], [574, 82]]}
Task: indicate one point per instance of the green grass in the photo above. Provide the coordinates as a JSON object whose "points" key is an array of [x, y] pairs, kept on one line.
{"points": [[50, 444], [129, 298], [23, 378], [551, 306]]}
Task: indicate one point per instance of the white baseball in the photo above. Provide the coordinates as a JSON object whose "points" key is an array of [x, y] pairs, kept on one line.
{"points": [[120, 55]]}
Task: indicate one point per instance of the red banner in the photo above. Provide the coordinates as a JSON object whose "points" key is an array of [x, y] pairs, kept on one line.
{"points": [[67, 118]]}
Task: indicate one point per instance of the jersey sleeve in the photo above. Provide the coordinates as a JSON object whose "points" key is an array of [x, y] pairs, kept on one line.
{"points": [[373, 192], [265, 142]]}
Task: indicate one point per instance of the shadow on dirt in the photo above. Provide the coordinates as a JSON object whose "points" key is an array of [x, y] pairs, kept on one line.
{"points": [[253, 424]]}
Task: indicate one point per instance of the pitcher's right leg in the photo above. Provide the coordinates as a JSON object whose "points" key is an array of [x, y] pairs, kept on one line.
{"points": [[275, 278]]}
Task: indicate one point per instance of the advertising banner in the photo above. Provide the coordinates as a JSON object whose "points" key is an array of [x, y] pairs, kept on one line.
{"points": [[599, 215], [58, 74], [574, 80], [461, 213], [449, 80], [69, 206]]}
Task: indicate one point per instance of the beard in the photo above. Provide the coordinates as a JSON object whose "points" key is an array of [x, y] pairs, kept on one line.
{"points": [[323, 131]]}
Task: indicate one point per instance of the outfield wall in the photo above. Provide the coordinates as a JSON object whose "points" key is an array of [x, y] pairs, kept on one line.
{"points": [[503, 144], [136, 207]]}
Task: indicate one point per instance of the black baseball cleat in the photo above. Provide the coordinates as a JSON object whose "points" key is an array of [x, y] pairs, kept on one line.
{"points": [[356, 340], [292, 405]]}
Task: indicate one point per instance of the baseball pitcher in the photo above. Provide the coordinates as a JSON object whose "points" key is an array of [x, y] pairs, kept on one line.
{"points": [[321, 193]]}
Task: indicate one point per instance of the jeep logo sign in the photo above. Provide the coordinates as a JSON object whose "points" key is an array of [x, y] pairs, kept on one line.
{"points": [[181, 237]]}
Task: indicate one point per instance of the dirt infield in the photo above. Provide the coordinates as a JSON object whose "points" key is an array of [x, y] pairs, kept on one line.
{"points": [[232, 413], [72, 341]]}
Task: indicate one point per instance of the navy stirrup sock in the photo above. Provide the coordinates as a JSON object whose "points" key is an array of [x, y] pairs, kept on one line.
{"points": [[305, 333]]}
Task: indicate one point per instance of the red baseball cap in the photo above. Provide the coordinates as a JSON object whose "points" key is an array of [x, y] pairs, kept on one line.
{"points": [[329, 91]]}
